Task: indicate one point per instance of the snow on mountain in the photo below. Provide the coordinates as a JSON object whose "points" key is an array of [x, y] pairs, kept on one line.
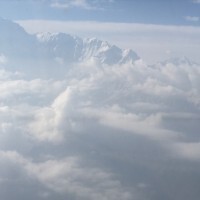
{"points": [[74, 49], [54, 52], [59, 46]]}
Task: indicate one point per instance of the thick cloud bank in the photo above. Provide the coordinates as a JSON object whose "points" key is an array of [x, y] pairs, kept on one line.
{"points": [[102, 132]]}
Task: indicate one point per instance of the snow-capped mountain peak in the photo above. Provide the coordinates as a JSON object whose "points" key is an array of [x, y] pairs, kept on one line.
{"points": [[57, 48], [54, 52], [75, 49]]}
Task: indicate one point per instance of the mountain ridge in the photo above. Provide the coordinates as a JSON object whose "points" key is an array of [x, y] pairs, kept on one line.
{"points": [[58, 52], [72, 48], [16, 43]]}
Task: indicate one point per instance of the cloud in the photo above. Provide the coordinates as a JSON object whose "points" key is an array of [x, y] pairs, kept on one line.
{"points": [[51, 123], [86, 26], [66, 176], [59, 5], [196, 1], [94, 134], [188, 150], [3, 59], [192, 18], [83, 4]]}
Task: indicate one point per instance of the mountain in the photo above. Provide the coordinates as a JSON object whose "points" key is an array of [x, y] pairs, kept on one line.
{"points": [[23, 50], [14, 41], [57, 52], [68, 49]]}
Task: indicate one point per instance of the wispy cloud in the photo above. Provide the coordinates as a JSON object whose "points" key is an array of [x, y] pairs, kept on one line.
{"points": [[60, 5], [83, 4], [196, 1], [3, 59], [192, 18]]}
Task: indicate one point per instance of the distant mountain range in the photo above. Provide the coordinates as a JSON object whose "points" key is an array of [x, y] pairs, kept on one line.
{"points": [[55, 51], [58, 48]]}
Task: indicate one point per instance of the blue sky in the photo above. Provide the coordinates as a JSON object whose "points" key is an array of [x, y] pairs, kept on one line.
{"points": [[171, 12]]}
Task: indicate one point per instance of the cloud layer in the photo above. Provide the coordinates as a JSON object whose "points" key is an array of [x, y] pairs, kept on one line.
{"points": [[102, 132]]}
